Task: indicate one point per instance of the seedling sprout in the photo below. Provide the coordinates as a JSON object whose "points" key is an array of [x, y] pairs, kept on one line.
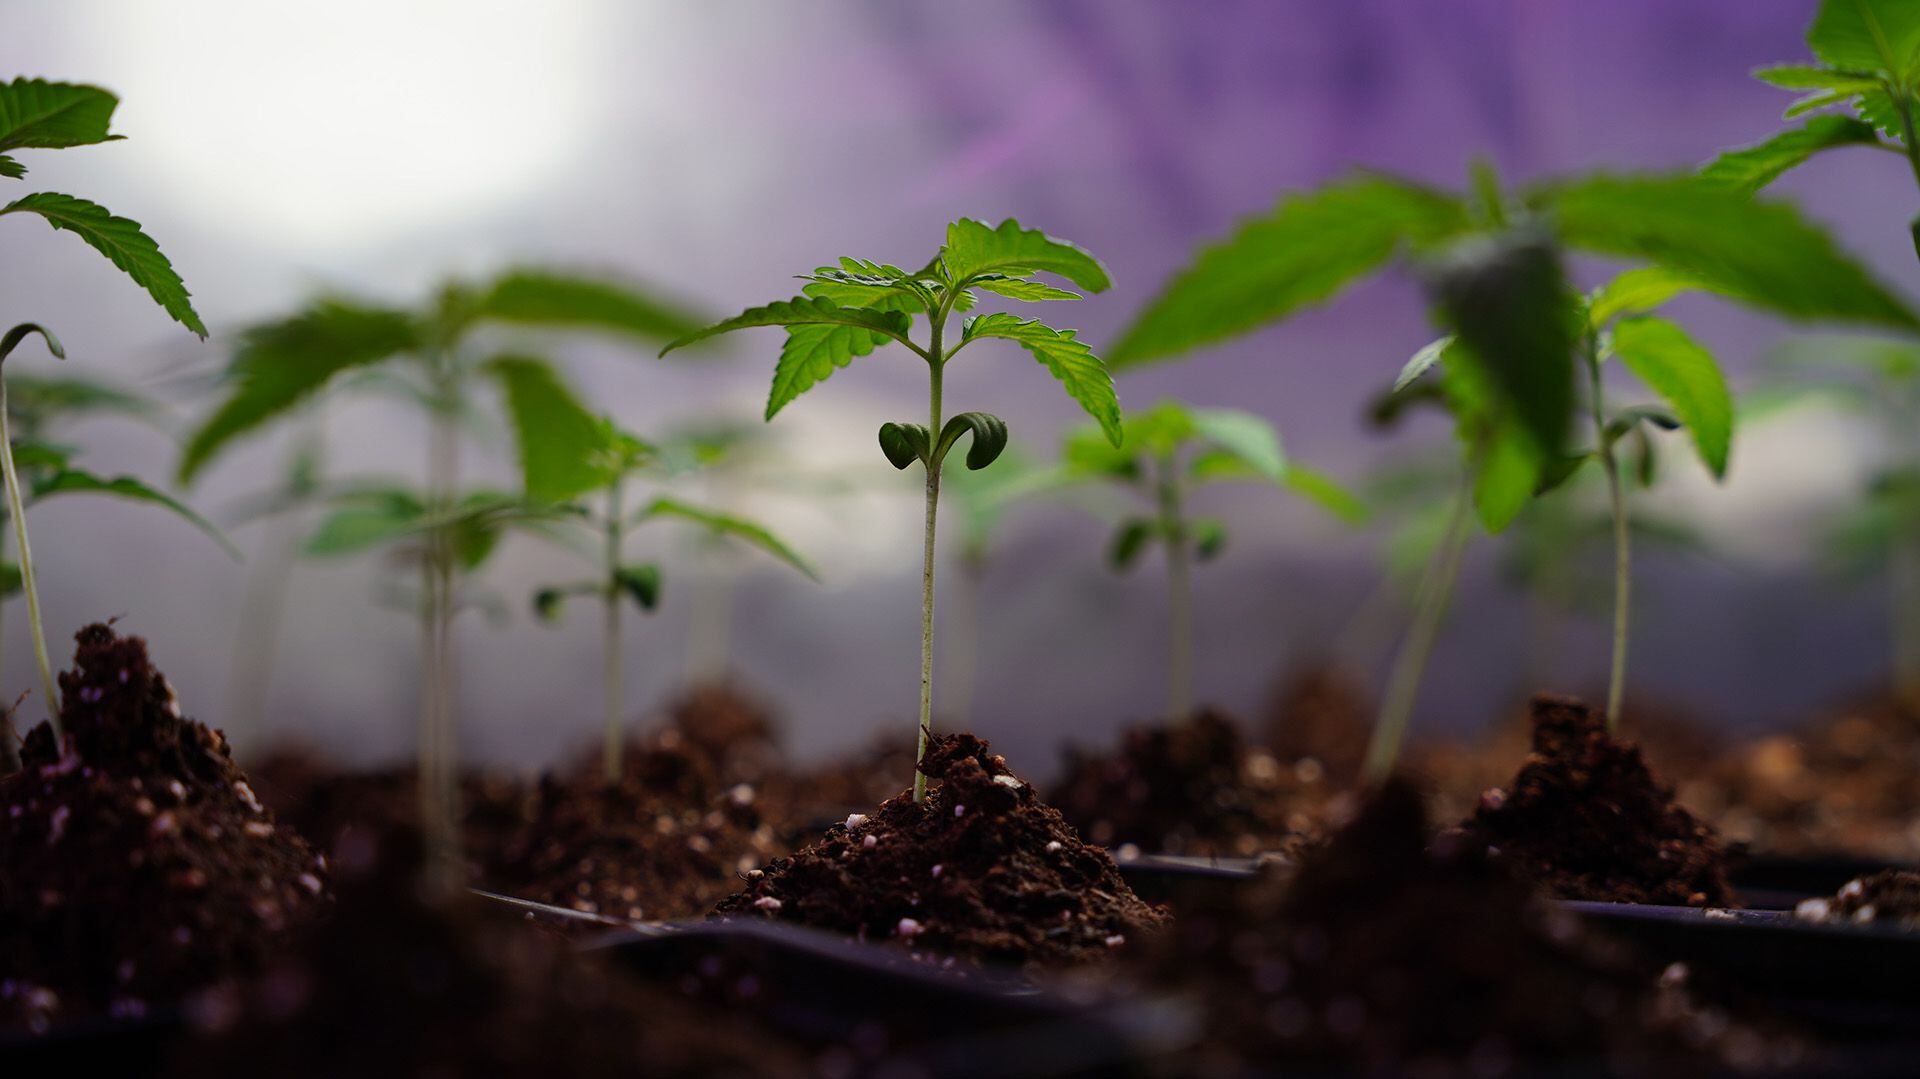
{"points": [[1493, 266], [1169, 451], [426, 357], [849, 310], [624, 456], [40, 115]]}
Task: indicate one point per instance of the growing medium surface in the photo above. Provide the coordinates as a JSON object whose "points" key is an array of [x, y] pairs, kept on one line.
{"points": [[1586, 819], [135, 861], [399, 982], [981, 870], [1195, 787], [1385, 955]]}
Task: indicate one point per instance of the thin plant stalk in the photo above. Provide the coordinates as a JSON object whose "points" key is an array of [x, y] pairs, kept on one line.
{"points": [[1622, 546], [263, 616], [17, 510], [439, 789], [709, 624], [610, 660], [1410, 664], [926, 570], [1173, 528]]}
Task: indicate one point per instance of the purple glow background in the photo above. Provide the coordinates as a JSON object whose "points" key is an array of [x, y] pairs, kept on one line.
{"points": [[803, 132]]}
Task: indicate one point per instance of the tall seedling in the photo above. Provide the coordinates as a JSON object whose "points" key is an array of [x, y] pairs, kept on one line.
{"points": [[40, 115], [620, 581], [428, 358], [1170, 451], [1520, 342], [849, 310], [1863, 89]]}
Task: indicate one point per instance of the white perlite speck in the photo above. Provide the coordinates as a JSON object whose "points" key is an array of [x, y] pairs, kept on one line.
{"points": [[855, 820], [1053, 846], [1009, 781], [768, 903], [870, 842], [907, 928]]}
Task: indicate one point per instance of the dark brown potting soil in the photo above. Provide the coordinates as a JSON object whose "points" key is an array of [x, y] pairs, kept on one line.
{"points": [[135, 861], [630, 850], [1322, 712], [1586, 819], [1382, 954], [400, 982], [980, 870], [1192, 788], [1846, 783], [1889, 897]]}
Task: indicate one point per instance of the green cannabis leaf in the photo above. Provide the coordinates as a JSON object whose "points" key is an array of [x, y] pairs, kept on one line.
{"points": [[280, 364], [1300, 253], [974, 248], [560, 442], [1750, 169], [74, 481], [548, 298], [1763, 254], [724, 524], [122, 242], [1686, 377], [40, 115], [1070, 360]]}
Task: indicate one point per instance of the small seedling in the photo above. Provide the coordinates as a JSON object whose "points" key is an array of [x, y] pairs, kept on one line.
{"points": [[621, 581], [849, 310], [1171, 450], [1493, 266], [40, 115], [427, 358]]}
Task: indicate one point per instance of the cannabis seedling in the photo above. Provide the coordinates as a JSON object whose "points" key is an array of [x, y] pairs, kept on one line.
{"points": [[623, 457], [1493, 266], [427, 358], [849, 310], [40, 115], [1170, 450]]}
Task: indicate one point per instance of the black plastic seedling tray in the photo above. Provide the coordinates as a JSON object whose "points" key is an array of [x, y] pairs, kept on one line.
{"points": [[881, 1009], [1768, 882]]}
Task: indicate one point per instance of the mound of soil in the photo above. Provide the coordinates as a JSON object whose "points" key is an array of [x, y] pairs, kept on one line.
{"points": [[135, 862], [1192, 788], [398, 983], [1324, 713], [733, 730], [1891, 897], [797, 804], [980, 870], [322, 801], [1381, 954], [1847, 783], [1586, 819], [632, 850]]}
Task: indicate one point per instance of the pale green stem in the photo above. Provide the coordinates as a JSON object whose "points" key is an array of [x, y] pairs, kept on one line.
{"points": [[17, 509], [926, 572], [1403, 683], [610, 660], [1622, 541], [1173, 532], [439, 778], [257, 639]]}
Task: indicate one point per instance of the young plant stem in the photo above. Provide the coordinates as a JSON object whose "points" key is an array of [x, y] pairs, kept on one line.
{"points": [[610, 661], [16, 508], [1622, 543], [439, 783], [1410, 664], [263, 616], [935, 370], [1173, 531]]}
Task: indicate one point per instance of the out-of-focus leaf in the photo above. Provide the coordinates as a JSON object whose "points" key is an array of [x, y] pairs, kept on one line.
{"points": [[74, 481], [1686, 377]]}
